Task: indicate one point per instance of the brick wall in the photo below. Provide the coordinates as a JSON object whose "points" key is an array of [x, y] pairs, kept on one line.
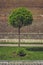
{"points": [[36, 8]]}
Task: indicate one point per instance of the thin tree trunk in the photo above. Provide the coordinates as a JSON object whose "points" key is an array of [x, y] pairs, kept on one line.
{"points": [[19, 36]]}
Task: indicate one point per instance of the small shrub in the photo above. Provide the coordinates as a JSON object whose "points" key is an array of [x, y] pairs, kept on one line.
{"points": [[21, 52]]}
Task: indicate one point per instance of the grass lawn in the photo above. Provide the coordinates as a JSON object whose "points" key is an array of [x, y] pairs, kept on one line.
{"points": [[21, 43], [10, 53]]}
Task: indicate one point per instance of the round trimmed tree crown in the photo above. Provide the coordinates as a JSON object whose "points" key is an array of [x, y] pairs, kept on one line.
{"points": [[20, 17]]}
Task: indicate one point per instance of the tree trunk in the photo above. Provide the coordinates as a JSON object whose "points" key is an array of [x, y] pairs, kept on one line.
{"points": [[19, 36]]}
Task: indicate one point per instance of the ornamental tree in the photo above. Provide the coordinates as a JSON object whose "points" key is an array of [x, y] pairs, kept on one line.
{"points": [[20, 17]]}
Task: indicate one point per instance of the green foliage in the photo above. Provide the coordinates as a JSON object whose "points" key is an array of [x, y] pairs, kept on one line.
{"points": [[10, 53], [20, 17], [21, 52], [21, 43]]}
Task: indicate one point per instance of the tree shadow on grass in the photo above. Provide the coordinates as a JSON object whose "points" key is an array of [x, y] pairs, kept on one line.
{"points": [[35, 49]]}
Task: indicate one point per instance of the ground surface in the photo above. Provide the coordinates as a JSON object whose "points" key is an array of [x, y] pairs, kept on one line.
{"points": [[23, 62], [10, 53], [24, 42], [23, 45]]}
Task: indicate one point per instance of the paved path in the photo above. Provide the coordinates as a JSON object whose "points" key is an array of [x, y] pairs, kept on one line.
{"points": [[22, 40], [36, 45], [26, 62]]}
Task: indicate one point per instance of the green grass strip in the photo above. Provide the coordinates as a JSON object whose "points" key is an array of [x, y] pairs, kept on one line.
{"points": [[21, 42], [10, 53]]}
